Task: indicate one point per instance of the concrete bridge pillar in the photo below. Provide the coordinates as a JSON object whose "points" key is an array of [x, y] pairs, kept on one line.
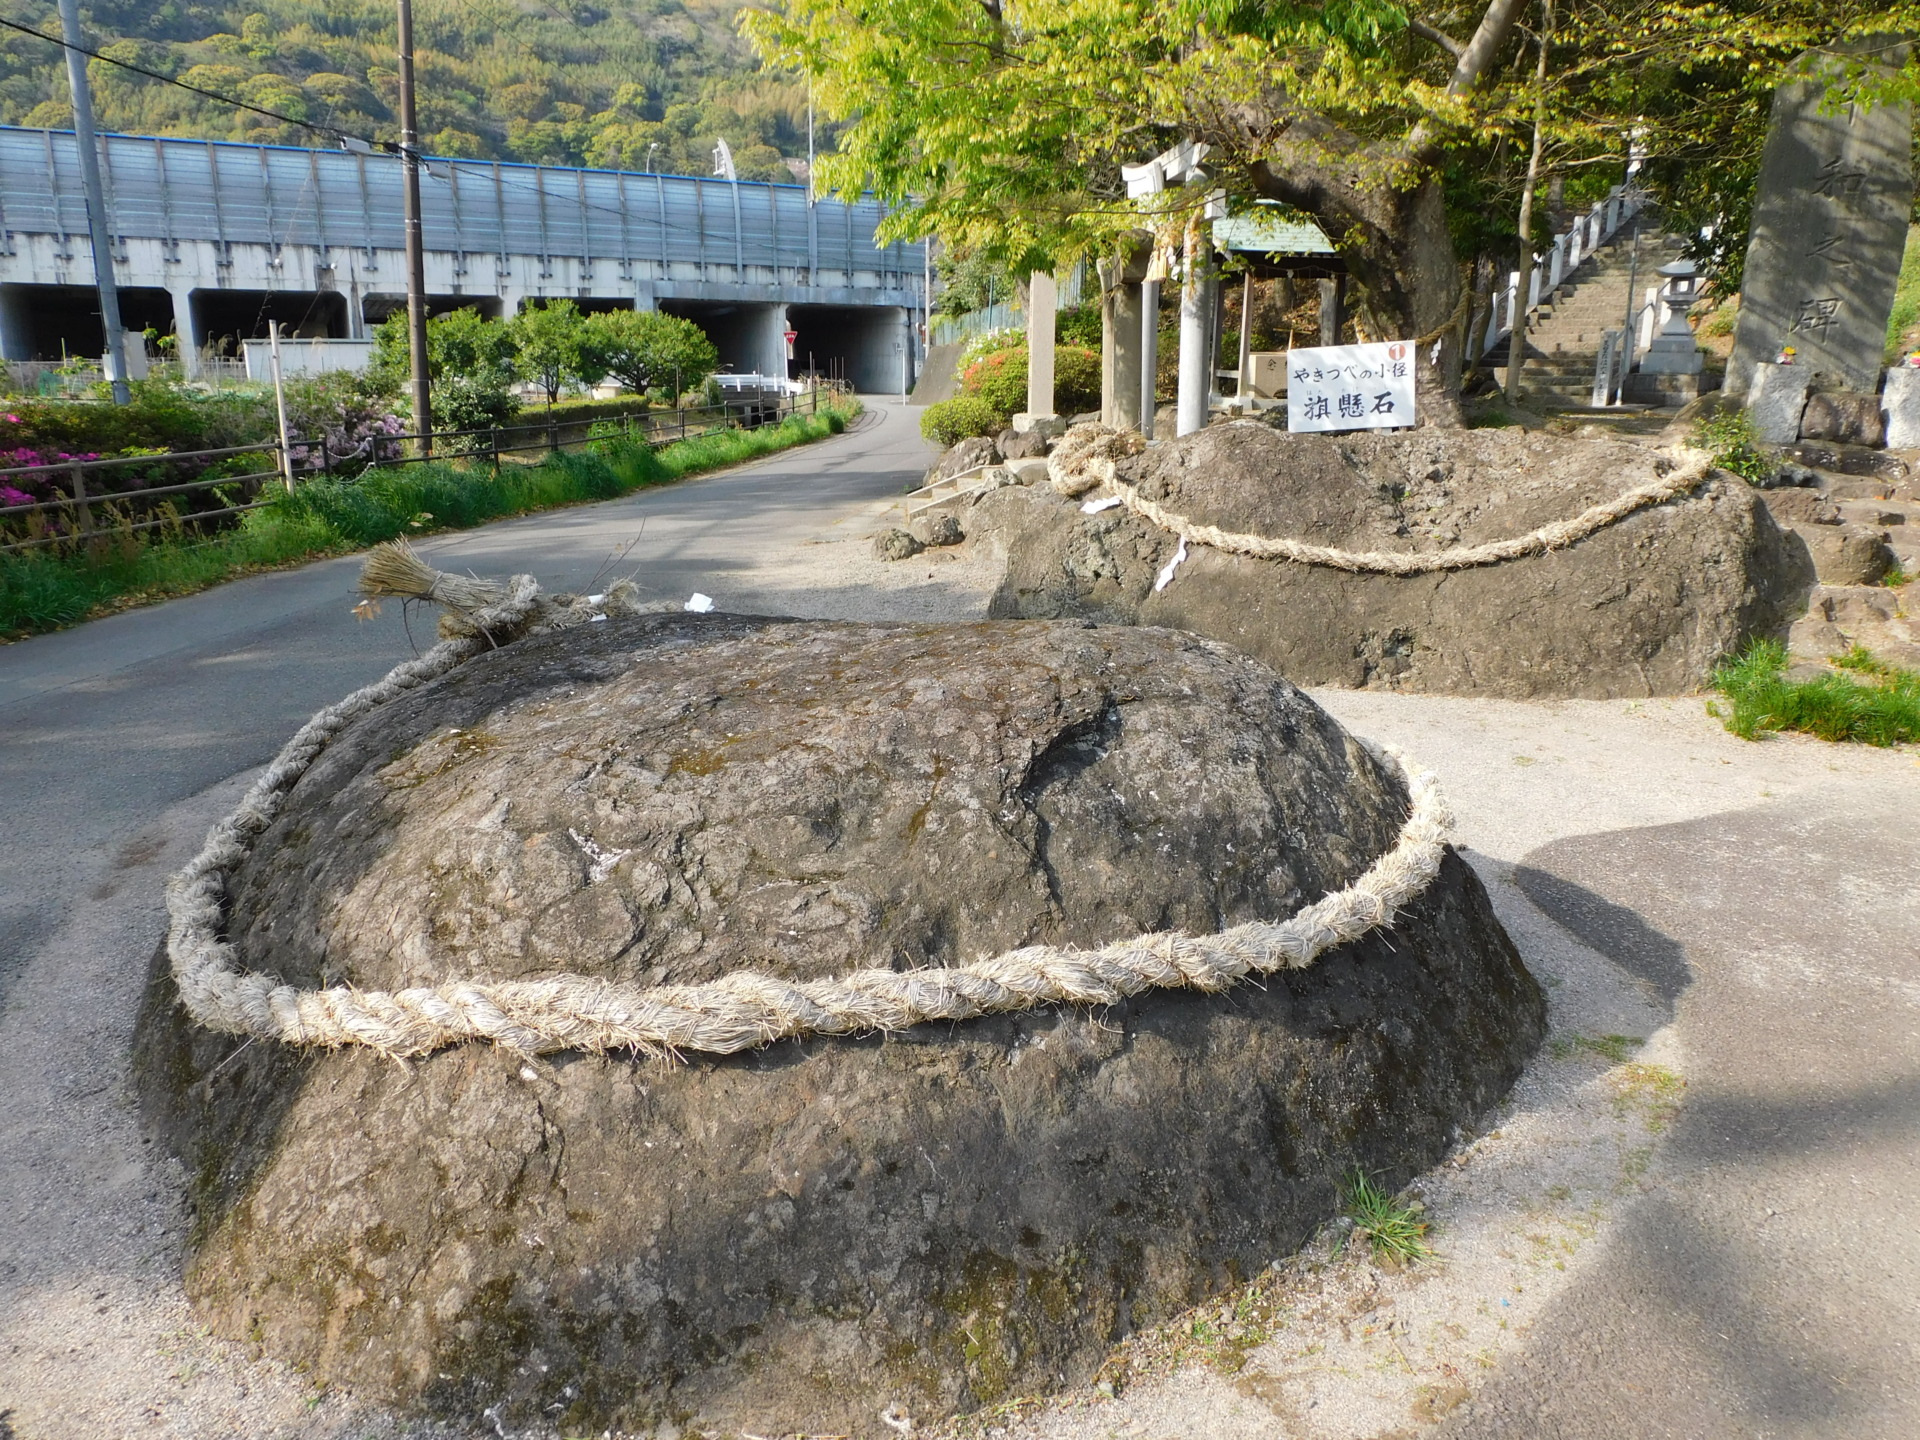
{"points": [[773, 342], [187, 329]]}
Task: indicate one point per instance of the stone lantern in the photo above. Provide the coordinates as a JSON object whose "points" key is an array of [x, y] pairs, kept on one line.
{"points": [[1673, 351], [1672, 370]]}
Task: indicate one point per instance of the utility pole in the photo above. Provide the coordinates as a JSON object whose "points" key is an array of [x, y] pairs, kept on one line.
{"points": [[416, 247], [89, 147]]}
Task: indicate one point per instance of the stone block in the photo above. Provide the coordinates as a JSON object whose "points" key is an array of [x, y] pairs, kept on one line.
{"points": [[1647, 386], [1900, 407], [1829, 227], [1847, 554], [895, 545], [1021, 444], [1801, 507], [937, 529], [1846, 416], [1050, 427], [1776, 395]]}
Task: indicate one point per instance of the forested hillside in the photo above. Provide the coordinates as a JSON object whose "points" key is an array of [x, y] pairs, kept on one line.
{"points": [[544, 81]]}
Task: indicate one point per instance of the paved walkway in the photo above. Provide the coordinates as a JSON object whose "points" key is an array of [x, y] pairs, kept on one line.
{"points": [[1768, 1284]]}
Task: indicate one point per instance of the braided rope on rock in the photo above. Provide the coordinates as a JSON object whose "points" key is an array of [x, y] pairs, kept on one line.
{"points": [[744, 1009], [1098, 470]]}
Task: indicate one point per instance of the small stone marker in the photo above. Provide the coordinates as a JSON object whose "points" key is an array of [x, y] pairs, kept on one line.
{"points": [[1901, 406], [1776, 396], [1829, 227]]}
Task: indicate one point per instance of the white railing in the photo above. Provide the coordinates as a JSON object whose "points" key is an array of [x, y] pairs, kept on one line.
{"points": [[1561, 259], [1007, 315]]}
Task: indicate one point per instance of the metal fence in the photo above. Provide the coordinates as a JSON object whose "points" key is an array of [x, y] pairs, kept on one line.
{"points": [[91, 507], [89, 510]]}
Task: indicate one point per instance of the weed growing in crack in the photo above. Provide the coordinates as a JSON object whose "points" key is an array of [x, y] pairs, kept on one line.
{"points": [[1394, 1230]]}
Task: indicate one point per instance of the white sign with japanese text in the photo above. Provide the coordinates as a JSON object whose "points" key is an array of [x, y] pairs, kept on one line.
{"points": [[1350, 387]]}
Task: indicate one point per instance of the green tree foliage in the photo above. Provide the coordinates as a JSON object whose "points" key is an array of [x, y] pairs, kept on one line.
{"points": [[969, 279], [550, 348], [651, 80], [650, 352], [1002, 125], [470, 361]]}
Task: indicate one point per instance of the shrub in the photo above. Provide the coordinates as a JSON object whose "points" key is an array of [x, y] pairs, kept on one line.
{"points": [[1729, 438], [1076, 379], [353, 413], [948, 422], [1079, 326], [162, 416], [1000, 379]]}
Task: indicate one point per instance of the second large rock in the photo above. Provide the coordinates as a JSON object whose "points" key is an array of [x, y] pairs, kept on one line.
{"points": [[1645, 606]]}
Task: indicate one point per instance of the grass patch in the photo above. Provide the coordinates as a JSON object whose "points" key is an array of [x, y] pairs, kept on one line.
{"points": [[1903, 324], [1866, 700], [1395, 1231], [1614, 1049], [41, 591], [1653, 1091]]}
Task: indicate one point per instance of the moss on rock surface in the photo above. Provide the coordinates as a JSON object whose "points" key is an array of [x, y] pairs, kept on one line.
{"points": [[796, 1237]]}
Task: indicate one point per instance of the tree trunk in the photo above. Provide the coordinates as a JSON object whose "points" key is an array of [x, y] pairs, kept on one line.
{"points": [[1382, 203], [1395, 241]]}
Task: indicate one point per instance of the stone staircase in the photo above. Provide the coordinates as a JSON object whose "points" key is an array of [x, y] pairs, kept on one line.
{"points": [[1856, 530], [949, 491], [1563, 339]]}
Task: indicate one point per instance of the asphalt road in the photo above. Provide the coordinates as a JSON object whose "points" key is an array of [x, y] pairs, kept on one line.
{"points": [[105, 726], [1765, 1286]]}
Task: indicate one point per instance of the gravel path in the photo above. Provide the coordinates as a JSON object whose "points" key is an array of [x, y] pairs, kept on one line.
{"points": [[1694, 1216]]}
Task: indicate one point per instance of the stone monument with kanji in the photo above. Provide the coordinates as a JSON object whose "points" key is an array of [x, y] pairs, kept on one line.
{"points": [[1829, 226]]}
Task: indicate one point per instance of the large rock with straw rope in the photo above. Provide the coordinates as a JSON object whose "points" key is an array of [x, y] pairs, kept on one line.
{"points": [[796, 1237], [1644, 605]]}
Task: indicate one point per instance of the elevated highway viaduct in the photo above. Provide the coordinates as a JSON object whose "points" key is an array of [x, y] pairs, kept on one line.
{"points": [[213, 239]]}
